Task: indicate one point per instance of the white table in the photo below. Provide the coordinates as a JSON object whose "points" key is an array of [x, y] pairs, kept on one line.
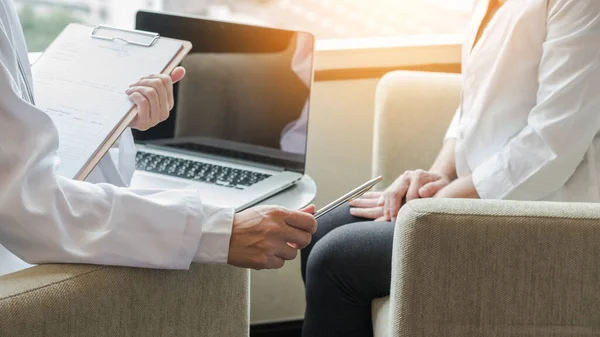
{"points": [[295, 197]]}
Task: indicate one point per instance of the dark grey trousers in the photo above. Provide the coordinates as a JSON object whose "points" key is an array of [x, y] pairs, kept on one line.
{"points": [[347, 265]]}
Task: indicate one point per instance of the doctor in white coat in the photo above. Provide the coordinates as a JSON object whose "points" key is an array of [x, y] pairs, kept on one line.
{"points": [[45, 218]]}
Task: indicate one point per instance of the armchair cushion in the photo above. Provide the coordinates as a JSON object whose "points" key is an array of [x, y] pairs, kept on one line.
{"points": [[381, 317]]}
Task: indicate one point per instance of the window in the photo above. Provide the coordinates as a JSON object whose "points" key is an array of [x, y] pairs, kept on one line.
{"points": [[43, 20], [327, 19]]}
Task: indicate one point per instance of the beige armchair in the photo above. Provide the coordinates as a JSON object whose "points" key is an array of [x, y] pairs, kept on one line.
{"points": [[477, 268], [75, 300]]}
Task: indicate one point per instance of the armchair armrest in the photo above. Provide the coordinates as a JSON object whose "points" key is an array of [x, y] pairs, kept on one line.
{"points": [[496, 268], [77, 300]]}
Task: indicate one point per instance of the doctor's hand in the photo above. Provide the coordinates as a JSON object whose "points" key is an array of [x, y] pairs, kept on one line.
{"points": [[153, 96], [409, 186], [265, 237]]}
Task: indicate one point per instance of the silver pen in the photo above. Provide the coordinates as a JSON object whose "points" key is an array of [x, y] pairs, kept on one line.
{"points": [[352, 195]]}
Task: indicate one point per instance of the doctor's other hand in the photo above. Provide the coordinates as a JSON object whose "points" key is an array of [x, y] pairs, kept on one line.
{"points": [[409, 186], [265, 237], [153, 96]]}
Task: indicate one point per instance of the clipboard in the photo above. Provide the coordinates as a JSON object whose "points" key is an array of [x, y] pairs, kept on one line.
{"points": [[118, 131], [105, 35]]}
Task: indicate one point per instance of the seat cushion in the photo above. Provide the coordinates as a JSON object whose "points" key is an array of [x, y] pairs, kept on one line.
{"points": [[381, 317]]}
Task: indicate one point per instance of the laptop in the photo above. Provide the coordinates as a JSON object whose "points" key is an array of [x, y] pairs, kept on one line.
{"points": [[238, 131]]}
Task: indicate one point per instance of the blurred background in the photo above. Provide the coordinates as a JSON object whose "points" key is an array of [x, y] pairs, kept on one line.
{"points": [[327, 19]]}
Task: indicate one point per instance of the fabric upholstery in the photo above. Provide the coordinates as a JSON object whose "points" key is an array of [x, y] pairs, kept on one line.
{"points": [[381, 317], [74, 300], [426, 102], [496, 268]]}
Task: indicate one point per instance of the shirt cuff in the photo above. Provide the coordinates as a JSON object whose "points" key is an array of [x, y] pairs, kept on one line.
{"points": [[216, 235], [491, 179]]}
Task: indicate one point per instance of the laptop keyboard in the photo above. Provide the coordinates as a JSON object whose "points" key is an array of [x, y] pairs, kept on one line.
{"points": [[198, 171]]}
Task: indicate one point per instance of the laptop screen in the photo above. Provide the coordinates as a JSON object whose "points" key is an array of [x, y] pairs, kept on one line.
{"points": [[246, 94]]}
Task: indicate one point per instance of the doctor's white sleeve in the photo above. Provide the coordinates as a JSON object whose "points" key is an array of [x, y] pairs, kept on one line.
{"points": [[561, 127], [45, 218]]}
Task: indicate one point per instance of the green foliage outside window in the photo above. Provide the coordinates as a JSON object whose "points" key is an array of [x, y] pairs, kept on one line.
{"points": [[42, 28]]}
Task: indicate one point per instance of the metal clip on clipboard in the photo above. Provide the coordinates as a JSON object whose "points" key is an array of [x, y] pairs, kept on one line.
{"points": [[107, 33]]}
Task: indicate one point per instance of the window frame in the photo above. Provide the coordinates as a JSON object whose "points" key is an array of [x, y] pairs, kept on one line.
{"points": [[348, 59]]}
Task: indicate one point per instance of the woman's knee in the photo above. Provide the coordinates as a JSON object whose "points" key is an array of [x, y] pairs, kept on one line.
{"points": [[358, 251], [331, 255]]}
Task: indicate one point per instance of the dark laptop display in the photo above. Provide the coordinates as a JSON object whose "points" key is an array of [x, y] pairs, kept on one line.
{"points": [[246, 94]]}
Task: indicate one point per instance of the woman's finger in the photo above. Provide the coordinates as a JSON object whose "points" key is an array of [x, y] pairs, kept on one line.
{"points": [[398, 195], [367, 213], [417, 182], [430, 189], [387, 208], [381, 200], [394, 206], [371, 195], [413, 190], [364, 203]]}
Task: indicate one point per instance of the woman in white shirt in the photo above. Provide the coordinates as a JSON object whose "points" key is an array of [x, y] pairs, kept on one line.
{"points": [[46, 218], [527, 129]]}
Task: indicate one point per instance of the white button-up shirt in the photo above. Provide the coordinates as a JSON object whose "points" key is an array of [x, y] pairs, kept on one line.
{"points": [[48, 218], [528, 127]]}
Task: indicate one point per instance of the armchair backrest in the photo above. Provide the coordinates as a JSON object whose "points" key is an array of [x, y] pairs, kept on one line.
{"points": [[412, 113]]}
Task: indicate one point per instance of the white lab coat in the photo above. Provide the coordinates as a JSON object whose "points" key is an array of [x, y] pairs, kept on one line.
{"points": [[528, 127], [45, 218]]}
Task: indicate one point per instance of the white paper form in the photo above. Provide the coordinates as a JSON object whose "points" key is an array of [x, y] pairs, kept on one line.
{"points": [[80, 83]]}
